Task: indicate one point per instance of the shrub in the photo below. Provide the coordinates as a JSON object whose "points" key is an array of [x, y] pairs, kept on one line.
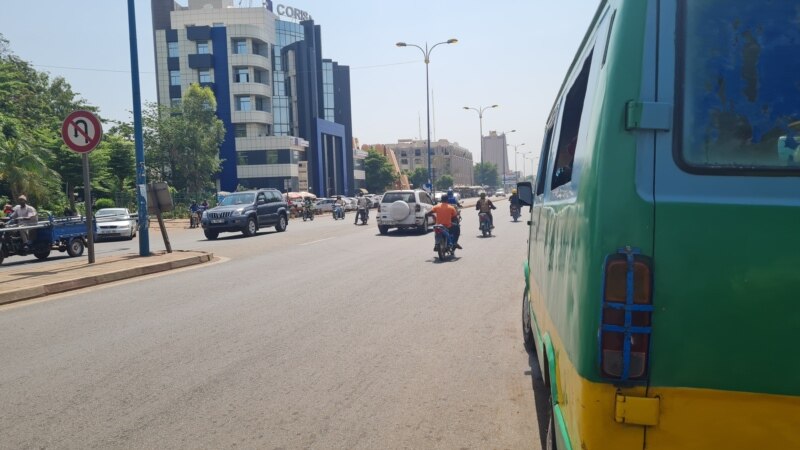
{"points": [[103, 203]]}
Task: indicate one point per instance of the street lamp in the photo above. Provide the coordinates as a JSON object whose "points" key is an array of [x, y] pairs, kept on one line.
{"points": [[516, 154], [505, 157], [480, 111], [427, 54], [529, 158]]}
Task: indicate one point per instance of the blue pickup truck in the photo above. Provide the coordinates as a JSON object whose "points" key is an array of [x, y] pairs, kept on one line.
{"points": [[65, 234]]}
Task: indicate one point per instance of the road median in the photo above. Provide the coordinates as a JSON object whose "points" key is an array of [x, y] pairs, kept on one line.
{"points": [[29, 281]]}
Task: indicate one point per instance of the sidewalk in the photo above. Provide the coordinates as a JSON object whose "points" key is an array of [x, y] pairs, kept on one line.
{"points": [[33, 280]]}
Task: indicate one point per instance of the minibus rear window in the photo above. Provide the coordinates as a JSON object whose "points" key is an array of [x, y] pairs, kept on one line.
{"points": [[738, 85]]}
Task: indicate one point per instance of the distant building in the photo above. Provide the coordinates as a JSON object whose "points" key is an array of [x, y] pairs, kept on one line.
{"points": [[494, 150], [447, 158], [402, 179], [286, 110]]}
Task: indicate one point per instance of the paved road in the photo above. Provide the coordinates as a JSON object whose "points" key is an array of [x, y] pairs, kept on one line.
{"points": [[325, 336]]}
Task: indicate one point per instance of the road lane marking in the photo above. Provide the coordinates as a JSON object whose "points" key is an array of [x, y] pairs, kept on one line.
{"points": [[317, 241]]}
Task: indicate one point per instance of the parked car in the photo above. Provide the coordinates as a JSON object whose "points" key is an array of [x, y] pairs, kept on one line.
{"points": [[499, 193], [324, 205], [351, 203], [247, 212], [115, 223], [405, 209]]}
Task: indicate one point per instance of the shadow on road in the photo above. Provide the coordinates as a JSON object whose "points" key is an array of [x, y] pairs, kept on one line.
{"points": [[541, 397]]}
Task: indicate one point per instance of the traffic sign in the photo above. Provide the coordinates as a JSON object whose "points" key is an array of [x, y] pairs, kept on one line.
{"points": [[81, 131]]}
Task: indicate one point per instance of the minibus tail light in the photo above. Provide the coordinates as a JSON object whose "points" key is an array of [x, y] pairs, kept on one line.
{"points": [[625, 322]]}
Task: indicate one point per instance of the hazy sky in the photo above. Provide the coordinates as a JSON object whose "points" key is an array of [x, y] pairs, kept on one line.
{"points": [[511, 53]]}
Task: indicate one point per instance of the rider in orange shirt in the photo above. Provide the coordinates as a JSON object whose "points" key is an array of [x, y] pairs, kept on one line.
{"points": [[446, 214]]}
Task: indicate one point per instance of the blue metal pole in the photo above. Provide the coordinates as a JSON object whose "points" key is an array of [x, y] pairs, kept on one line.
{"points": [[141, 193]]}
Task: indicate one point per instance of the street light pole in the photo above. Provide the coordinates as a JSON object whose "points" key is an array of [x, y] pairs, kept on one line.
{"points": [[427, 54], [516, 154], [505, 157], [480, 110]]}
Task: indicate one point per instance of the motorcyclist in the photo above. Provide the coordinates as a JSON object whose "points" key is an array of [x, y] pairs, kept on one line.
{"points": [[446, 214], [513, 201], [456, 228], [363, 207], [339, 203], [24, 214], [451, 198], [308, 206], [193, 209], [485, 205]]}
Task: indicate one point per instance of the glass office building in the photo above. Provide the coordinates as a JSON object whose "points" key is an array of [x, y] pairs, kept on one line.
{"points": [[286, 110]]}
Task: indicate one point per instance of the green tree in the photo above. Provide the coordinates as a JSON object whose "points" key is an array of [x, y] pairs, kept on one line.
{"points": [[419, 177], [445, 181], [182, 144], [486, 174], [24, 168], [379, 172]]}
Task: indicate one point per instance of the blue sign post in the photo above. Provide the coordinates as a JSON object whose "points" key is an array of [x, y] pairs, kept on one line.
{"points": [[141, 188]]}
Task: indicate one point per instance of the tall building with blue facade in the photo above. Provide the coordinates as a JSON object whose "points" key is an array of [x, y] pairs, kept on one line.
{"points": [[286, 110]]}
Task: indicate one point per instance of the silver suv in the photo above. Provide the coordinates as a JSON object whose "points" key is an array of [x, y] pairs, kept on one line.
{"points": [[405, 209]]}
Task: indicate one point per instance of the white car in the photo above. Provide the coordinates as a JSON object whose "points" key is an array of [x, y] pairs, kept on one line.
{"points": [[115, 223], [500, 193], [405, 209]]}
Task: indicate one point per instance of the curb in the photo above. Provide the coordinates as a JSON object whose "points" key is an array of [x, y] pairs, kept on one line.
{"points": [[95, 280]]}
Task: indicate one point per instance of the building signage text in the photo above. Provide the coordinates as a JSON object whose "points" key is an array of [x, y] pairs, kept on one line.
{"points": [[292, 13]]}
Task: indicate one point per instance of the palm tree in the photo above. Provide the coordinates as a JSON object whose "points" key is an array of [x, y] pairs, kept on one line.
{"points": [[23, 167]]}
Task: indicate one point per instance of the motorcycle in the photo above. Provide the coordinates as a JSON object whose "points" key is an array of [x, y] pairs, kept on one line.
{"points": [[515, 212], [308, 213], [444, 242], [485, 224], [363, 214], [338, 212]]}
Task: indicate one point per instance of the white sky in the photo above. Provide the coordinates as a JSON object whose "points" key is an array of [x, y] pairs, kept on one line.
{"points": [[511, 53]]}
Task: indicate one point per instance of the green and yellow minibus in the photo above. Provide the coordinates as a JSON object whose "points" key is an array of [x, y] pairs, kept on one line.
{"points": [[662, 295]]}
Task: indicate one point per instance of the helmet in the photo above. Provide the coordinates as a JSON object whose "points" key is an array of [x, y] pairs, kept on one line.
{"points": [[483, 194], [450, 190], [513, 191], [338, 197]]}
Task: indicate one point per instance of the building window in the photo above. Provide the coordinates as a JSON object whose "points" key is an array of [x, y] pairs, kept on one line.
{"points": [[403, 153], [174, 77], [240, 46], [404, 161], [261, 49], [417, 161], [417, 152], [263, 104], [175, 102], [202, 48], [261, 76], [172, 50], [243, 103], [242, 75], [205, 76], [241, 129]]}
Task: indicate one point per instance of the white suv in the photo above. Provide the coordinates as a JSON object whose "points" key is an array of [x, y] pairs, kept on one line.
{"points": [[405, 209]]}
